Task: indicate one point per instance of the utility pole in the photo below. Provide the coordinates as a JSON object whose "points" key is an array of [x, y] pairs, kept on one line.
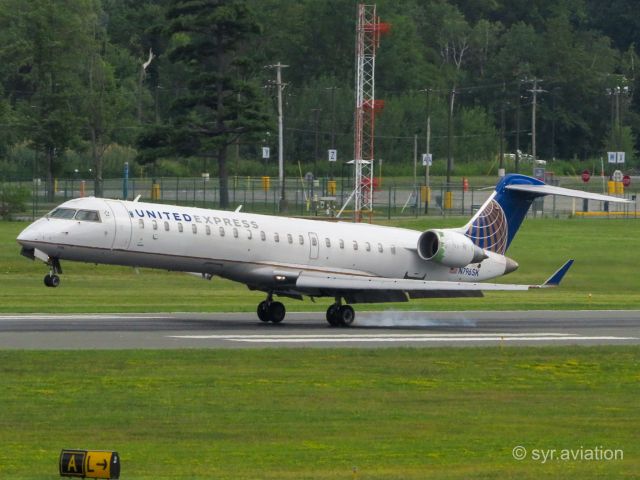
{"points": [[449, 138], [415, 161], [518, 128], [535, 90], [280, 86], [428, 148], [501, 168], [316, 115], [333, 127]]}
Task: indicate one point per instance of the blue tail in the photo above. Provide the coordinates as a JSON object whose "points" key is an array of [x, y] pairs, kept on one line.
{"points": [[495, 225]]}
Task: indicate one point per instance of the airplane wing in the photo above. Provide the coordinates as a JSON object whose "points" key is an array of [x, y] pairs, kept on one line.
{"points": [[363, 289]]}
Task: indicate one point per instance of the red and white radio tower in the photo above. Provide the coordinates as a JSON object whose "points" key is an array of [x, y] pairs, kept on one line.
{"points": [[368, 31]]}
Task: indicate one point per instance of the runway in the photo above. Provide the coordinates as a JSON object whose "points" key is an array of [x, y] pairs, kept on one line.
{"points": [[373, 329]]}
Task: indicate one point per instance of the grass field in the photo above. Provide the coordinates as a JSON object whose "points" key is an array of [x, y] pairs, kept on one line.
{"points": [[317, 414], [605, 252], [329, 414]]}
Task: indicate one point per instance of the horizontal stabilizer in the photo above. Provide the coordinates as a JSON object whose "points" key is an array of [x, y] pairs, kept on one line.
{"points": [[555, 279], [540, 190]]}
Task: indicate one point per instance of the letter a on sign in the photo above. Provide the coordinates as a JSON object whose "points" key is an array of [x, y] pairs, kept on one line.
{"points": [[71, 466]]}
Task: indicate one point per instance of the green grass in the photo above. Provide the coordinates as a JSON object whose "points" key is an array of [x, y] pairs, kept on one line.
{"points": [[605, 252], [316, 414]]}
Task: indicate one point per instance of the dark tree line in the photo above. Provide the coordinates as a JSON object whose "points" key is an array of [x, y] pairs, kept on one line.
{"points": [[80, 89]]}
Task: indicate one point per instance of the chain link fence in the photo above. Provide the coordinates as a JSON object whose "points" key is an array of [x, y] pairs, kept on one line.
{"points": [[320, 197]]}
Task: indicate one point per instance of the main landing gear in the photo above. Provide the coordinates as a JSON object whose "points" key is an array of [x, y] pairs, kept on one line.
{"points": [[340, 315], [270, 311], [52, 279]]}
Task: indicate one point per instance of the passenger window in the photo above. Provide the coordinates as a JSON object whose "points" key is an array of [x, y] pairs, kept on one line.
{"points": [[301, 239], [342, 244], [140, 223], [314, 241], [155, 224], [180, 229], [235, 232], [289, 238], [367, 246], [276, 237], [221, 231], [67, 213], [380, 249], [87, 216], [327, 242], [355, 245], [194, 228], [207, 229], [393, 249], [263, 236], [166, 226]]}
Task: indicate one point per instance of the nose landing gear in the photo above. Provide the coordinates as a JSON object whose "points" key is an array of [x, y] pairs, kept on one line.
{"points": [[52, 279]]}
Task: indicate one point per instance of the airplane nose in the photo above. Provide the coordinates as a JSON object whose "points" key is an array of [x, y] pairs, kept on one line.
{"points": [[27, 235]]}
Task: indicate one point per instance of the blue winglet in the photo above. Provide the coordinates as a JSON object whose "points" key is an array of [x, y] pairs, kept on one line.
{"points": [[555, 279]]}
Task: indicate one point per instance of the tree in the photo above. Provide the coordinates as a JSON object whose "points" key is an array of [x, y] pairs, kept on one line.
{"points": [[45, 49], [217, 103]]}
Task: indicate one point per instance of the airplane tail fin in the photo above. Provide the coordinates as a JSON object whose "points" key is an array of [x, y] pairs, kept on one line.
{"points": [[494, 226]]}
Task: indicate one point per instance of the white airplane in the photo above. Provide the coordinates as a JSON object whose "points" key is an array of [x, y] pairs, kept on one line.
{"points": [[290, 257]]}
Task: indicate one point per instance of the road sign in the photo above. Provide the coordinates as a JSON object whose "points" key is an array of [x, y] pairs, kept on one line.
{"points": [[265, 152], [89, 464], [617, 176], [333, 155], [586, 175], [620, 157], [626, 180], [427, 159], [612, 157]]}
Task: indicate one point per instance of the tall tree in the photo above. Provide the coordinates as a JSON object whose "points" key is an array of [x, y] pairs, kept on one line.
{"points": [[46, 52], [217, 104]]}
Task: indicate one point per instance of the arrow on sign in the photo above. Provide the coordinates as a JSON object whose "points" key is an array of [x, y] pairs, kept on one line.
{"points": [[104, 464]]}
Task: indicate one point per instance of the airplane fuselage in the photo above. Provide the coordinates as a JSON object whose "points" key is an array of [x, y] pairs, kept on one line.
{"points": [[239, 246]]}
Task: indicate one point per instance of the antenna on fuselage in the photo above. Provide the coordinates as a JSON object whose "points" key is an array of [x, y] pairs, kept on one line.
{"points": [[135, 200]]}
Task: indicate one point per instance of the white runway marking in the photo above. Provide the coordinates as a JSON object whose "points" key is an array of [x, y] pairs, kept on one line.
{"points": [[437, 337]]}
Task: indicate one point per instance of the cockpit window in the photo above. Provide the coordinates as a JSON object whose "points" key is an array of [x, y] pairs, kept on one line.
{"points": [[62, 213], [88, 216]]}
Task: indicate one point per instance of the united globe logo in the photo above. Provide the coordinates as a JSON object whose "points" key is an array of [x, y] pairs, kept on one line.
{"points": [[489, 230]]}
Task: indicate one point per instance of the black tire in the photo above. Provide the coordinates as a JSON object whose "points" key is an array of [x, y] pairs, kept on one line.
{"points": [[47, 280], [346, 315], [277, 312], [332, 315], [55, 281], [263, 311]]}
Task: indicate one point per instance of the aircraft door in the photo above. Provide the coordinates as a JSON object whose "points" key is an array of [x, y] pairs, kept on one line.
{"points": [[314, 246], [122, 220]]}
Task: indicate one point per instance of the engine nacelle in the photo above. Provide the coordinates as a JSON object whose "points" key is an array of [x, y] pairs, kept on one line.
{"points": [[449, 248]]}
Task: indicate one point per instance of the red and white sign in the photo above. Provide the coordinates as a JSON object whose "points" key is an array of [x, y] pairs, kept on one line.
{"points": [[626, 180]]}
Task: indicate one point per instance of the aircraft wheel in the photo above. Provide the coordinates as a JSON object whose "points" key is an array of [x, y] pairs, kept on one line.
{"points": [[346, 315], [332, 315], [276, 312], [51, 280], [263, 311]]}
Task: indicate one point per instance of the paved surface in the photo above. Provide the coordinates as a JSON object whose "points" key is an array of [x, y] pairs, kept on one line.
{"points": [[379, 329]]}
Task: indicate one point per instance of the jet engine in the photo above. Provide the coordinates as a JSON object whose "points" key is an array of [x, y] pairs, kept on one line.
{"points": [[449, 248]]}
